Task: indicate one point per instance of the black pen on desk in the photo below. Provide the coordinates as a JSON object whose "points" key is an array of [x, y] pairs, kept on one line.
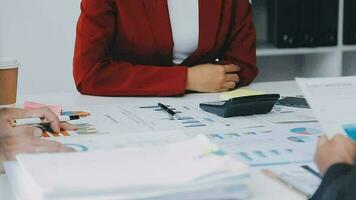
{"points": [[311, 170], [173, 114]]}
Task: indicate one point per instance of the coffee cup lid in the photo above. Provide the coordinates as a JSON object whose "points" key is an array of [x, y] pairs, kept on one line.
{"points": [[8, 63]]}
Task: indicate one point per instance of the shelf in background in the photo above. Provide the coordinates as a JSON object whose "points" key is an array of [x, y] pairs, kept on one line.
{"points": [[349, 48], [278, 64], [294, 51]]}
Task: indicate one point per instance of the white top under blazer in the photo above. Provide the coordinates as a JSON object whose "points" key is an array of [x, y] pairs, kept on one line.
{"points": [[184, 17]]}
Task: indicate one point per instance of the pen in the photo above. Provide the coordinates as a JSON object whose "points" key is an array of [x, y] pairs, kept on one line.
{"points": [[173, 114], [37, 121], [311, 170]]}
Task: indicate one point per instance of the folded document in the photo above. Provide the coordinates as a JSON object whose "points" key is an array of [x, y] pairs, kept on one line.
{"points": [[333, 102], [192, 169]]}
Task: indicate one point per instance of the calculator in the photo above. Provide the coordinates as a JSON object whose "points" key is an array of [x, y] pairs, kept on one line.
{"points": [[242, 106]]}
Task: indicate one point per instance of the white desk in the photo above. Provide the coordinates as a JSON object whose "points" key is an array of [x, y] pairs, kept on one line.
{"points": [[261, 186]]}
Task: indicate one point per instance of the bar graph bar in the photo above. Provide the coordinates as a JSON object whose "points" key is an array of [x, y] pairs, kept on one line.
{"points": [[82, 129]]}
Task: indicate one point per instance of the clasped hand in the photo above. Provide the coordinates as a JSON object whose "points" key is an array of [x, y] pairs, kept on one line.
{"points": [[212, 78]]}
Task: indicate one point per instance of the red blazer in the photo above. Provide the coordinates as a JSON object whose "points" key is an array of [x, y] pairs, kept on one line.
{"points": [[124, 47]]}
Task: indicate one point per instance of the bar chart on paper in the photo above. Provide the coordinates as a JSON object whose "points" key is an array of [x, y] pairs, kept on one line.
{"points": [[264, 147], [83, 128], [184, 121], [139, 117]]}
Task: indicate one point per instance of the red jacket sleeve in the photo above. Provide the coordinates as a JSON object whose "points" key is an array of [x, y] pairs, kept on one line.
{"points": [[96, 73], [242, 43]]}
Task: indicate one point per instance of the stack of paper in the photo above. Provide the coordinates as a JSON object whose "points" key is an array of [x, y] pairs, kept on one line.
{"points": [[192, 169]]}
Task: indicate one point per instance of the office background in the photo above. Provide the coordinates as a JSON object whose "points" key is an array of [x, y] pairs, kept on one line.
{"points": [[41, 34]]}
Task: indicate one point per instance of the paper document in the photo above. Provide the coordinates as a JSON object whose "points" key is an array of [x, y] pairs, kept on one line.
{"points": [[262, 146], [183, 168], [333, 102], [247, 139]]}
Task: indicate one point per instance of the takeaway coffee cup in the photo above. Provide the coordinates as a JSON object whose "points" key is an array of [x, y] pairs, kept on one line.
{"points": [[8, 80]]}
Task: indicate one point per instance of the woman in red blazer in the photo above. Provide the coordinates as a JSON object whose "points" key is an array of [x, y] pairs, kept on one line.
{"points": [[124, 48]]}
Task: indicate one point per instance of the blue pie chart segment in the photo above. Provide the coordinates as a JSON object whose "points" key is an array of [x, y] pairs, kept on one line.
{"points": [[306, 131], [350, 129]]}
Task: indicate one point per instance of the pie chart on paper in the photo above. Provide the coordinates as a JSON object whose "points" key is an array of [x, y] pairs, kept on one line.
{"points": [[300, 139], [305, 131]]}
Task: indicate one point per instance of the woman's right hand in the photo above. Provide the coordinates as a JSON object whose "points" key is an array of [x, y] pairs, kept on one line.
{"points": [[212, 78]]}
